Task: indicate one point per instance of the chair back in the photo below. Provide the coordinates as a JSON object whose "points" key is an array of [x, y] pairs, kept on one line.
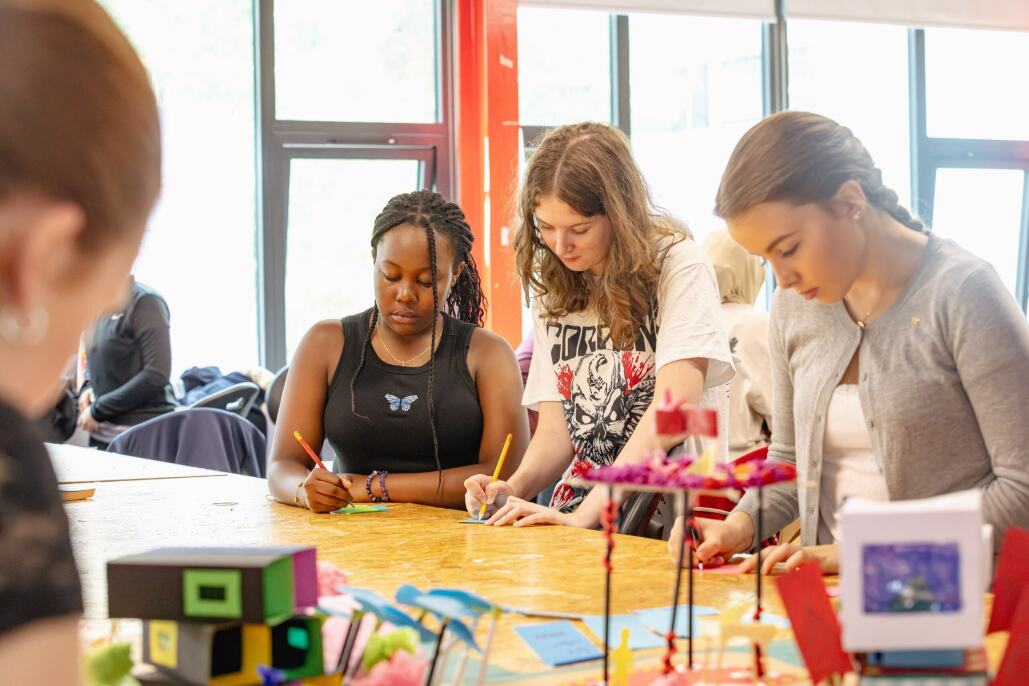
{"points": [[237, 398], [203, 437]]}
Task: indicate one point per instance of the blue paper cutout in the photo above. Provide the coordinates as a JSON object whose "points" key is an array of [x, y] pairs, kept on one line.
{"points": [[659, 618], [475, 605], [372, 602], [640, 636], [558, 643], [444, 608]]}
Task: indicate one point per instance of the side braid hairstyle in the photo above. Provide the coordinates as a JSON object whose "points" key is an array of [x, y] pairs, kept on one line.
{"points": [[802, 158], [466, 301]]}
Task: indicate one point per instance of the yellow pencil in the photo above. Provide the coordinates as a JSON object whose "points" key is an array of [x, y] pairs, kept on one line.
{"points": [[496, 472]]}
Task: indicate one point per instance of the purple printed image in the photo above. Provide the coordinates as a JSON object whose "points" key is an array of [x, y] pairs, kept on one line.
{"points": [[912, 577]]}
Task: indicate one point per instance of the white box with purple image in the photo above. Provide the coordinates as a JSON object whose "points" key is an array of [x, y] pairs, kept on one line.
{"points": [[911, 573]]}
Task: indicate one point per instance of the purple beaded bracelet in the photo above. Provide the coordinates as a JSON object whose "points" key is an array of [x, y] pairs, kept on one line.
{"points": [[382, 486]]}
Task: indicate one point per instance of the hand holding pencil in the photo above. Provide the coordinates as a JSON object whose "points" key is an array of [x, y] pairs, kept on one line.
{"points": [[324, 491], [481, 491]]}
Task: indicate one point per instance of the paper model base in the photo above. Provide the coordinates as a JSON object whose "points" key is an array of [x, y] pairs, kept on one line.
{"points": [[696, 677], [228, 654]]}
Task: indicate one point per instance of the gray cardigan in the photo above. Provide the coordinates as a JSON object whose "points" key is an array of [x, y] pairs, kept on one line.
{"points": [[944, 385]]}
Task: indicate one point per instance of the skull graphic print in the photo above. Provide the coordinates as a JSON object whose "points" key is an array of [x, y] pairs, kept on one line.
{"points": [[604, 398]]}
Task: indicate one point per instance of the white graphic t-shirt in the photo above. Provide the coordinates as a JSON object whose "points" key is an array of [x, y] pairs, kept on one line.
{"points": [[604, 391]]}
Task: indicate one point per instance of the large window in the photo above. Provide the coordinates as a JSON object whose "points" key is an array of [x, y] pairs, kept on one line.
{"points": [[335, 64], [332, 206], [199, 247], [361, 113], [695, 87], [973, 145], [564, 67], [857, 74], [975, 84], [980, 209]]}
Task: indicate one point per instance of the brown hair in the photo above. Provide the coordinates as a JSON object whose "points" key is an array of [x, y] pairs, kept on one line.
{"points": [[78, 119], [802, 158], [590, 167]]}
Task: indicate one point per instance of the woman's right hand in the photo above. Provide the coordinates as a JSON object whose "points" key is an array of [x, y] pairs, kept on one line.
{"points": [[718, 540], [324, 491], [86, 398], [480, 489]]}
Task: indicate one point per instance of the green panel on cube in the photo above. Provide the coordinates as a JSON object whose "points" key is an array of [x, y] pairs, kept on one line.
{"points": [[212, 593], [298, 637], [278, 588], [313, 660]]}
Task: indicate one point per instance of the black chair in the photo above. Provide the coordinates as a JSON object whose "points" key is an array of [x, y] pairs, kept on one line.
{"points": [[274, 397], [637, 516], [205, 437], [238, 399]]}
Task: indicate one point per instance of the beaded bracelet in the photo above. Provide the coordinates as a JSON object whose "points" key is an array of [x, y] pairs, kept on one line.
{"points": [[382, 487]]}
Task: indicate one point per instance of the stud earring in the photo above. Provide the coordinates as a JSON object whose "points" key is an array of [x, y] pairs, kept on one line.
{"points": [[23, 330]]}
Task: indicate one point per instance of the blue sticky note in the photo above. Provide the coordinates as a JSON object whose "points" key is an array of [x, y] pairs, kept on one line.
{"points": [[659, 618], [640, 637], [558, 643], [474, 520]]}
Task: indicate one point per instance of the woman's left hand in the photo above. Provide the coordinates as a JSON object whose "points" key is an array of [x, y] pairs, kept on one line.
{"points": [[793, 556], [87, 422], [526, 513]]}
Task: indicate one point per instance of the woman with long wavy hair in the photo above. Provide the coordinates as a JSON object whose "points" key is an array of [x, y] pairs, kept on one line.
{"points": [[625, 308]]}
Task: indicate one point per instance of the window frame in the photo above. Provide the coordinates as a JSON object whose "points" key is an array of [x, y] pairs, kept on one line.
{"points": [[280, 141]]}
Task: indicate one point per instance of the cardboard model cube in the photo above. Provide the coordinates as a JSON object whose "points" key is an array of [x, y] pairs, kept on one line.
{"points": [[911, 573], [249, 585], [228, 654]]}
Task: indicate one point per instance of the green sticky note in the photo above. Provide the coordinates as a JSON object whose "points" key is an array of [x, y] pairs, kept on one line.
{"points": [[297, 637], [212, 593], [354, 508]]}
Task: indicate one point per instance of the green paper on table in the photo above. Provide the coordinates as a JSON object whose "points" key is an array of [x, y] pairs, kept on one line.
{"points": [[354, 508]]}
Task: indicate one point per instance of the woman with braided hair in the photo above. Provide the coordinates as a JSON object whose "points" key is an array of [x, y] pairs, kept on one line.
{"points": [[899, 361], [412, 394]]}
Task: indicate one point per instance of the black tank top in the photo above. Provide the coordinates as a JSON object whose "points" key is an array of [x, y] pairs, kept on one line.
{"points": [[398, 437]]}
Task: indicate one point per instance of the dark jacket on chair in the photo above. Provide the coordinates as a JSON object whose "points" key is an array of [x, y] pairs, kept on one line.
{"points": [[208, 438]]}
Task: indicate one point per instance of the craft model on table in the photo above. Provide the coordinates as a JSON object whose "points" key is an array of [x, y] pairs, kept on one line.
{"points": [[685, 477]]}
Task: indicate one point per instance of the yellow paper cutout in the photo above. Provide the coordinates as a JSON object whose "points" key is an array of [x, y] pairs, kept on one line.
{"points": [[164, 643], [622, 658]]}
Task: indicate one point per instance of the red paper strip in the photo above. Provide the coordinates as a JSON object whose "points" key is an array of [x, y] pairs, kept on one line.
{"points": [[1012, 577], [1015, 665], [815, 625]]}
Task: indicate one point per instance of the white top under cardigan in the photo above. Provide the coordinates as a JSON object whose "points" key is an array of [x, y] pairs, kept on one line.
{"points": [[849, 467]]}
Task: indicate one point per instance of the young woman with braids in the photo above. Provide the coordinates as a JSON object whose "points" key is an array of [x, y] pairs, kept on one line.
{"points": [[626, 308], [412, 395], [900, 362]]}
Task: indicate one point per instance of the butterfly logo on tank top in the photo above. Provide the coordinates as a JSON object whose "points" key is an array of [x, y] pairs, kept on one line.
{"points": [[402, 404]]}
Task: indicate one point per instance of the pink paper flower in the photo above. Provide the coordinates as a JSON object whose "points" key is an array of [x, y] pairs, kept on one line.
{"points": [[329, 578], [403, 669]]}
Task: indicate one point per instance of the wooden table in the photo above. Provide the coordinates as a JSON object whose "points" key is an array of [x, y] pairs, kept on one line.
{"points": [[76, 465], [543, 568]]}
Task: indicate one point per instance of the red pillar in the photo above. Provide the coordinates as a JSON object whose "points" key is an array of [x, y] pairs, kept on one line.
{"points": [[487, 148]]}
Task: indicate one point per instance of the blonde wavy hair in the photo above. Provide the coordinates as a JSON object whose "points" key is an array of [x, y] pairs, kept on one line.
{"points": [[590, 167]]}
